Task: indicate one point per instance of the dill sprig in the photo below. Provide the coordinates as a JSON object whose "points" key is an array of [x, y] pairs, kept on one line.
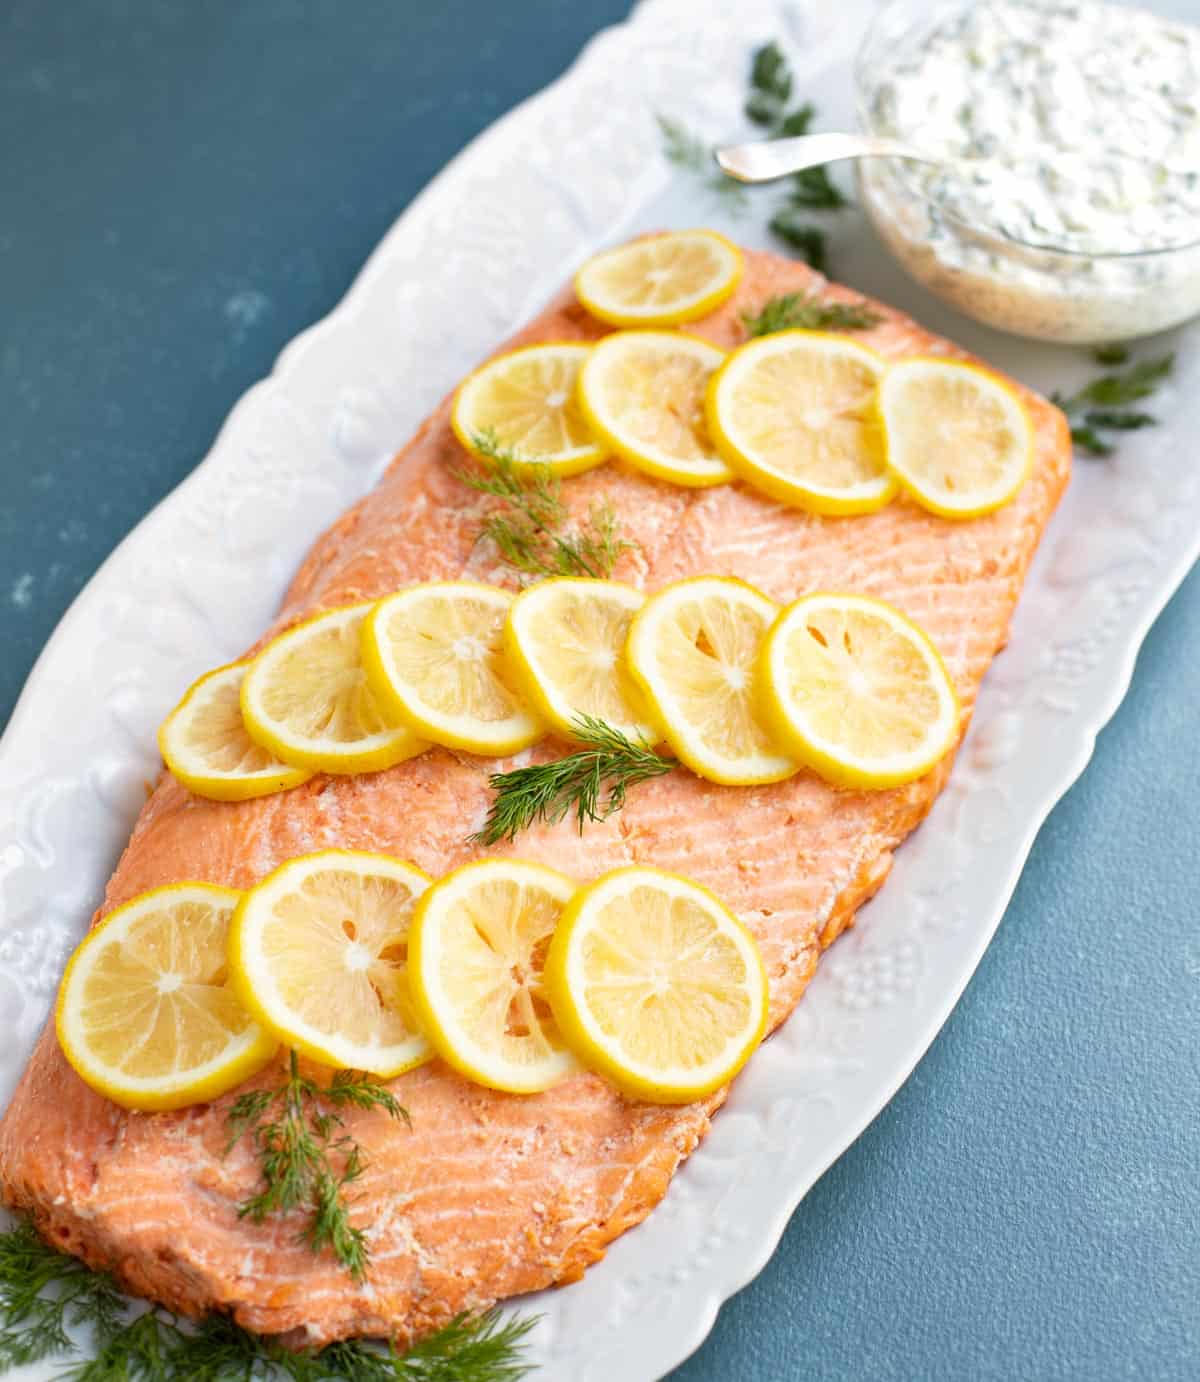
{"points": [[156, 1346], [796, 311], [34, 1326], [688, 151], [592, 782], [528, 531], [305, 1158], [1103, 405]]}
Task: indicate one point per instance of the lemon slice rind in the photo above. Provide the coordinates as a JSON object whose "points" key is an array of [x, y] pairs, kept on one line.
{"points": [[203, 700], [917, 463], [596, 283], [481, 973], [624, 432], [538, 641], [650, 645], [477, 411], [247, 1052], [588, 960], [792, 718], [267, 678], [393, 648], [745, 453], [258, 936]]}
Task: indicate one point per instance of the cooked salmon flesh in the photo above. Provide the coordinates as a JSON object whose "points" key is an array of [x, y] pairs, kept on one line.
{"points": [[490, 1195]]}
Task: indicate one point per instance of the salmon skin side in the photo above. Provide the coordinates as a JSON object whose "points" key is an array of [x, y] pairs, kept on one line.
{"points": [[491, 1195]]}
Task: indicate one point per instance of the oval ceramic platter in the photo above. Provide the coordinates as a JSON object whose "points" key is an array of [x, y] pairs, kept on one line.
{"points": [[574, 168]]}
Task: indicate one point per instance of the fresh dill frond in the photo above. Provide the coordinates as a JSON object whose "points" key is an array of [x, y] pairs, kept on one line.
{"points": [[1103, 404], [812, 188], [33, 1326], [796, 311], [811, 241], [689, 152], [470, 1348], [770, 86], [592, 782], [305, 1158], [529, 530]]}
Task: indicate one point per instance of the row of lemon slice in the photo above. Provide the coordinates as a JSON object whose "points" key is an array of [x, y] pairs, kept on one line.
{"points": [[508, 970], [741, 691], [811, 418]]}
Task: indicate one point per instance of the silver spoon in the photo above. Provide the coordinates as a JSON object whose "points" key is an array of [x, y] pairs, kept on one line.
{"points": [[768, 159]]}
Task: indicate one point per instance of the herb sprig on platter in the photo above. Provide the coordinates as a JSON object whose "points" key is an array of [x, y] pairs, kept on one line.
{"points": [[156, 1346], [529, 528], [307, 1160], [796, 311], [592, 783], [1103, 405], [767, 104]]}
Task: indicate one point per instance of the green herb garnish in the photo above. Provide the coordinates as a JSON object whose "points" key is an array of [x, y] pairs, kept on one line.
{"points": [[686, 150], [1115, 354], [770, 86], [1103, 405], [305, 1157], [528, 529], [592, 783], [795, 311], [156, 1346], [810, 241]]}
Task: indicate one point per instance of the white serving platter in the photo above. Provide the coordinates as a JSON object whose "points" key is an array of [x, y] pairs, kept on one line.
{"points": [[574, 168]]}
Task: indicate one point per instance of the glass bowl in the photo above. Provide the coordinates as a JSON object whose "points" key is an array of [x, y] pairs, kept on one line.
{"points": [[1031, 290]]}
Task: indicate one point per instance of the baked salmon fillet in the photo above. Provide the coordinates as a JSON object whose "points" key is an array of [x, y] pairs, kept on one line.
{"points": [[490, 1195]]}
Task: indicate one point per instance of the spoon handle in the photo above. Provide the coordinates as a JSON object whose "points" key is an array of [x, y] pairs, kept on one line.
{"points": [[768, 159]]}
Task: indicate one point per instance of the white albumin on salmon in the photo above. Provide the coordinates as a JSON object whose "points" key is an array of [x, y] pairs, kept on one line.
{"points": [[491, 1195]]}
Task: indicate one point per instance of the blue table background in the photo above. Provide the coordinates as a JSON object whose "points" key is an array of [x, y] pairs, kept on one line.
{"points": [[186, 186]]}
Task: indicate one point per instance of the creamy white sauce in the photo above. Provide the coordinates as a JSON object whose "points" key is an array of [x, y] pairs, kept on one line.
{"points": [[1080, 224]]}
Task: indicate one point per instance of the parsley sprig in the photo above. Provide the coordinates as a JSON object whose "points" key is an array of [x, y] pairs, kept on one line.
{"points": [[156, 1346], [592, 782], [305, 1156], [1103, 405], [793, 311], [529, 529]]}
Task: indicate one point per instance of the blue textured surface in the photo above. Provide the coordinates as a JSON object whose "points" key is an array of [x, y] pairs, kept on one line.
{"points": [[186, 187]]}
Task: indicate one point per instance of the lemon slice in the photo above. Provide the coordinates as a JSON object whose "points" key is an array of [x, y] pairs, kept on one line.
{"points": [[642, 393], [436, 654], [857, 691], [479, 941], [204, 743], [526, 402], [566, 644], [660, 280], [145, 1014], [318, 952], [656, 985], [306, 698], [692, 649], [794, 414], [959, 439]]}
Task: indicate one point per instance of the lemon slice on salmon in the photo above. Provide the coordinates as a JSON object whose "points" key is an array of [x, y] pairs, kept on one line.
{"points": [[318, 952], [145, 1012], [306, 699], [435, 655], [794, 414], [204, 743], [525, 403], [660, 280], [656, 985], [692, 649], [857, 691], [566, 645], [642, 393], [478, 944], [959, 439]]}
